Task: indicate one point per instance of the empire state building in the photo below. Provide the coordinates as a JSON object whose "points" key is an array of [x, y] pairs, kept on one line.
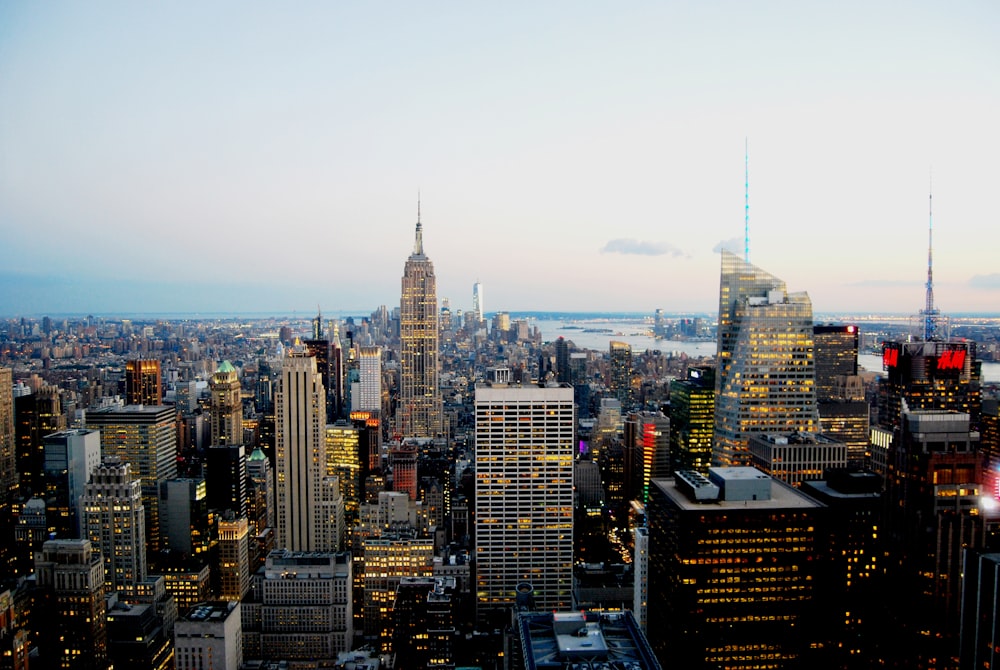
{"points": [[419, 411]]}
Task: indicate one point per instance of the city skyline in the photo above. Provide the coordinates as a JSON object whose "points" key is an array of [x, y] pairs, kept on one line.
{"points": [[245, 158]]}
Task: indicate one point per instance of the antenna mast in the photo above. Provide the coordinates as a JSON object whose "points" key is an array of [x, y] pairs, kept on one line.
{"points": [[746, 200], [930, 314]]}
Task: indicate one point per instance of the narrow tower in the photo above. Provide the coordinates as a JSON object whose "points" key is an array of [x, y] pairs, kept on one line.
{"points": [[929, 313]]}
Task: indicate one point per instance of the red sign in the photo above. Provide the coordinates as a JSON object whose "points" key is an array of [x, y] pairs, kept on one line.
{"points": [[953, 359], [890, 357]]}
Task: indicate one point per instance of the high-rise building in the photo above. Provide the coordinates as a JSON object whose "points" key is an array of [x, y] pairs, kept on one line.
{"points": [[113, 519], [142, 382], [765, 380], [69, 575], [70, 457], [299, 607], [647, 443], [187, 526], [226, 406], [234, 558], [524, 495], [388, 559], [260, 492], [226, 474], [734, 571], [36, 415], [796, 457], [319, 348], [935, 512], [368, 396], [343, 454], [620, 372], [145, 437], [692, 419], [477, 302], [426, 621], [561, 639], [564, 373], [8, 462], [403, 464], [420, 405], [835, 351], [936, 374], [300, 455], [209, 637]]}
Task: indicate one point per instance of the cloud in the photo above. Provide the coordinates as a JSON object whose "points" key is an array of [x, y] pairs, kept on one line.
{"points": [[990, 281], [642, 248], [733, 244]]}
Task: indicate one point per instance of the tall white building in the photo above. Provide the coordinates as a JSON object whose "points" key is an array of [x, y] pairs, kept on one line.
{"points": [[477, 301], [524, 495], [367, 396], [113, 518], [300, 455], [766, 380]]}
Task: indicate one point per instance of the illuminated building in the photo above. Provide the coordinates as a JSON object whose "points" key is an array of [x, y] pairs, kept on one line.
{"points": [[835, 354], [188, 527], [299, 607], [260, 485], [69, 575], [426, 620], [138, 637], [647, 438], [420, 406], [187, 580], [564, 373], [854, 499], [733, 570], [300, 455], [142, 382], [209, 637], [70, 457], [524, 494], [146, 438], [796, 457], [765, 378], [226, 406], [30, 533], [113, 519], [403, 465], [234, 558], [8, 466], [620, 372], [938, 375], [692, 420], [934, 512], [840, 393], [572, 639], [640, 569], [36, 415], [389, 558], [343, 454], [368, 396]]}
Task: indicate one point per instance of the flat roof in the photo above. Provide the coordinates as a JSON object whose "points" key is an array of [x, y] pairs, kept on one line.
{"points": [[783, 496]]}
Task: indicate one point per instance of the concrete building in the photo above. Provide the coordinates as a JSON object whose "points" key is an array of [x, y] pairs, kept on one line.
{"points": [[226, 406], [524, 495], [113, 518], [796, 457], [568, 639], [209, 637], [70, 457]]}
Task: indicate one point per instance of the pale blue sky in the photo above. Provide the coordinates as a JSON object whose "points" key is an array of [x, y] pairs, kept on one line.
{"points": [[250, 156]]}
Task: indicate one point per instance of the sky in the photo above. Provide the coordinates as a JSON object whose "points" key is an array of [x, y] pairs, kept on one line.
{"points": [[572, 156]]}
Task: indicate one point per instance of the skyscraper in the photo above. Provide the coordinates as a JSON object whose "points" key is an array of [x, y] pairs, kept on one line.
{"points": [[477, 301], [142, 382], [227, 406], [70, 457], [524, 495], [8, 460], [145, 437], [113, 519], [840, 394], [692, 420], [419, 411], [766, 377], [620, 372], [368, 397], [300, 454]]}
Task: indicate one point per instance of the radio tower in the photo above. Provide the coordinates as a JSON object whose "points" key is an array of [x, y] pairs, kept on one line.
{"points": [[930, 314], [746, 200]]}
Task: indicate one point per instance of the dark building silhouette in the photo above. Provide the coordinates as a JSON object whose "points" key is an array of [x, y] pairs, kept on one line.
{"points": [[692, 419]]}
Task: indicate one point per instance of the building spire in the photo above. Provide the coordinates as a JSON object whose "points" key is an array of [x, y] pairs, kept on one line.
{"points": [[930, 313], [746, 200], [418, 245]]}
